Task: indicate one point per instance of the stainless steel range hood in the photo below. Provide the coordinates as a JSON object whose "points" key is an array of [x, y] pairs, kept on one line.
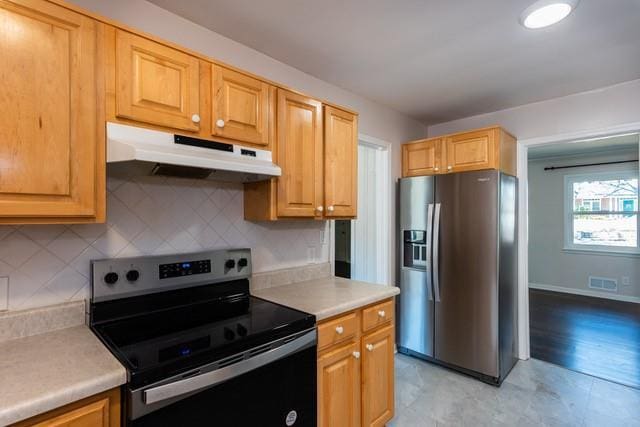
{"points": [[162, 153]]}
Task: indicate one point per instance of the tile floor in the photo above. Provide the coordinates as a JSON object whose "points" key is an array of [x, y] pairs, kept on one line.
{"points": [[535, 393]]}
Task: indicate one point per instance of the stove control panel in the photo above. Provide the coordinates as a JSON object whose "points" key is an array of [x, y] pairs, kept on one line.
{"points": [[186, 268], [124, 277]]}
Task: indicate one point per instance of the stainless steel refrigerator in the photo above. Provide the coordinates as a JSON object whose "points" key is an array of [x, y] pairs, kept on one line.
{"points": [[458, 271]]}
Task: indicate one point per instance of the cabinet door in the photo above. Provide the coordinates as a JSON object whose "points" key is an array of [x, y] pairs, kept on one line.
{"points": [[51, 122], [94, 414], [299, 154], [339, 387], [471, 151], [240, 107], [156, 84], [340, 163], [421, 158], [377, 377]]}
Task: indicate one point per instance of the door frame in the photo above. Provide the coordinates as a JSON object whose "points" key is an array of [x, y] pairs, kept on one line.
{"points": [[385, 258], [524, 344]]}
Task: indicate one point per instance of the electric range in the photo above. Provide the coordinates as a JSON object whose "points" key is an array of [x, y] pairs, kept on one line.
{"points": [[198, 347]]}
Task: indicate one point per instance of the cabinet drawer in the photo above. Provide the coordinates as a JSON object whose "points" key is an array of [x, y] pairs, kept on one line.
{"points": [[377, 315], [337, 330]]}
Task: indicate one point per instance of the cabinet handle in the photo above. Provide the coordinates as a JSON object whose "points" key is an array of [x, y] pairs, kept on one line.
{"points": [[320, 208], [449, 167], [381, 313], [220, 123], [339, 330], [356, 354], [369, 347], [195, 118]]}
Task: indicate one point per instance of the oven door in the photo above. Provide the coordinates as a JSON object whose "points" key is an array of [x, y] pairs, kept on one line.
{"points": [[272, 388]]}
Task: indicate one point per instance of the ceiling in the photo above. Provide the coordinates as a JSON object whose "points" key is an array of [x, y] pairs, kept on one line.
{"points": [[592, 146], [435, 60]]}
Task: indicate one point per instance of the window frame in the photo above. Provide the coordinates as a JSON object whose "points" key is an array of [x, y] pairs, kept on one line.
{"points": [[569, 245]]}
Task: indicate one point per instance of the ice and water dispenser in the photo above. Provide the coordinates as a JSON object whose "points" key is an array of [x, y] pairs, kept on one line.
{"points": [[415, 249]]}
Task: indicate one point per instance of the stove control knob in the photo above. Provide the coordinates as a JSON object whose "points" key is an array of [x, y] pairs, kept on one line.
{"points": [[242, 262], [242, 331], [133, 275], [111, 278], [229, 334], [229, 264]]}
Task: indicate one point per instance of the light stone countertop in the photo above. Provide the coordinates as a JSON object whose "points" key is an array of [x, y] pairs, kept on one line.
{"points": [[328, 296], [43, 372]]}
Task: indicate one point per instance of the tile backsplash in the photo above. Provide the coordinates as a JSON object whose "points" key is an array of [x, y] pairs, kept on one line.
{"points": [[48, 264]]}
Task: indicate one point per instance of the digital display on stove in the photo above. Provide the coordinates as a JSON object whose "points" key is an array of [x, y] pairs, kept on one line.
{"points": [[187, 268], [184, 349]]}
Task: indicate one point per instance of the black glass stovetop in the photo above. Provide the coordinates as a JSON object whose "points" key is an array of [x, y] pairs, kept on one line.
{"points": [[173, 335]]}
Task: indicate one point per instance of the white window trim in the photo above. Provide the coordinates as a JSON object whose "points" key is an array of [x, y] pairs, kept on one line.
{"points": [[571, 247]]}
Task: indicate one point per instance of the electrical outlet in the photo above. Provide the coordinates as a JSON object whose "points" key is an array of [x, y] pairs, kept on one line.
{"points": [[311, 255], [323, 237], [625, 281], [4, 293]]}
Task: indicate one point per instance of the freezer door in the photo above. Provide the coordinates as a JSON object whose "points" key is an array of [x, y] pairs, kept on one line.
{"points": [[415, 303], [466, 315]]}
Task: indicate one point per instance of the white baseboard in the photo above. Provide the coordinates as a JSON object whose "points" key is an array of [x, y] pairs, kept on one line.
{"points": [[584, 292]]}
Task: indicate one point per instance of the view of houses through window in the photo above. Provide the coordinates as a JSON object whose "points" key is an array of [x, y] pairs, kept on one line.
{"points": [[604, 210]]}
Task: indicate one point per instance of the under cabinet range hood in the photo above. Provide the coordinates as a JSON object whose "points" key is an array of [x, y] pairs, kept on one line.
{"points": [[162, 153]]}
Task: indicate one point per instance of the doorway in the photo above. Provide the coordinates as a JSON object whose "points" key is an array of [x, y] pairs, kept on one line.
{"points": [[361, 250], [583, 253]]}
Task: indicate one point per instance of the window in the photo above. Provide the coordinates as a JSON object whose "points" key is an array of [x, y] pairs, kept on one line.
{"points": [[602, 212]]}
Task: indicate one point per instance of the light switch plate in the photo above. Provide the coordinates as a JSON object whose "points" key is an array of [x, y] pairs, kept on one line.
{"points": [[4, 293]]}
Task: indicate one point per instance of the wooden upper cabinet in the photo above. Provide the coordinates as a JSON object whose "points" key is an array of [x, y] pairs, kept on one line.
{"points": [[488, 148], [421, 157], [471, 151], [299, 153], [339, 387], [240, 107], [156, 84], [340, 163], [377, 377], [51, 115]]}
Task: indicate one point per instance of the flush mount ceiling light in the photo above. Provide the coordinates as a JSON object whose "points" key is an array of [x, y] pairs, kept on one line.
{"points": [[546, 12]]}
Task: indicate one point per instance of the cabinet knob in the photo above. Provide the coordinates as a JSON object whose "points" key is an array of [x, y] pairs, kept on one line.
{"points": [[320, 208], [339, 330], [436, 169], [382, 314], [356, 354], [330, 208], [369, 347], [220, 123], [195, 118], [449, 167]]}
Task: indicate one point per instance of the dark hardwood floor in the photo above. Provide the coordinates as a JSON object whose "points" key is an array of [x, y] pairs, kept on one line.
{"points": [[596, 336]]}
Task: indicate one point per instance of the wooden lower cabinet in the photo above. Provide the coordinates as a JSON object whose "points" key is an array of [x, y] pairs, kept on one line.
{"points": [[100, 410], [377, 377], [356, 377], [339, 387]]}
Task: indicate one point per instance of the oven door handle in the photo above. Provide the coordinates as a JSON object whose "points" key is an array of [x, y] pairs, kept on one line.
{"points": [[208, 379]]}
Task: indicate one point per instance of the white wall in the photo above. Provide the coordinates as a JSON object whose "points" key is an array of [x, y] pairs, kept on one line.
{"points": [[593, 110], [548, 263]]}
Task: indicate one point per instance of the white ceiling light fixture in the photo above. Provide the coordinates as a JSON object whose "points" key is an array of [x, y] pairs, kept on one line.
{"points": [[544, 13]]}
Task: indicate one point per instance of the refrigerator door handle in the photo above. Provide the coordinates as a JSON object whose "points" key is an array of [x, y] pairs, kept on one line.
{"points": [[436, 249], [428, 241]]}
